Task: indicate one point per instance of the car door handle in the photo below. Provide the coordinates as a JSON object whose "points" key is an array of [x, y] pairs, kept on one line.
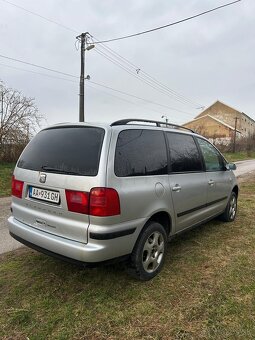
{"points": [[177, 188], [211, 182]]}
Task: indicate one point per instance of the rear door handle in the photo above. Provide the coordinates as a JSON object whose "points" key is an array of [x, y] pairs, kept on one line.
{"points": [[177, 188], [211, 182]]}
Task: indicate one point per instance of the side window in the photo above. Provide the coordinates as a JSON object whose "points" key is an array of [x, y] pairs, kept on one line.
{"points": [[212, 158], [140, 153], [184, 154]]}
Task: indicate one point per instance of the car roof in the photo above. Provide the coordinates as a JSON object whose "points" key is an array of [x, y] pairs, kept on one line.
{"points": [[128, 124], [131, 124]]}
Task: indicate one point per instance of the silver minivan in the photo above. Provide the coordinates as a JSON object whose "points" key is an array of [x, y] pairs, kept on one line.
{"points": [[92, 193]]}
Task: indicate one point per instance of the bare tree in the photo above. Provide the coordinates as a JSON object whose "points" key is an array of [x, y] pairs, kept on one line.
{"points": [[19, 118]]}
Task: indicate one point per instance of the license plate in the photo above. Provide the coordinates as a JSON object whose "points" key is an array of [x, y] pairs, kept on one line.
{"points": [[44, 195]]}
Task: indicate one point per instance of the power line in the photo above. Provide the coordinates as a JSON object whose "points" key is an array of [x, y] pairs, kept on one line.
{"points": [[109, 50], [39, 73], [73, 76], [139, 71], [168, 25], [40, 16], [149, 80], [134, 75], [91, 86], [35, 65], [140, 98], [125, 100], [101, 85]]}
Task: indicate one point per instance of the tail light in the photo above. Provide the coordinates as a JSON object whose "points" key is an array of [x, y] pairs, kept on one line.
{"points": [[104, 202], [17, 187], [77, 201], [99, 202]]}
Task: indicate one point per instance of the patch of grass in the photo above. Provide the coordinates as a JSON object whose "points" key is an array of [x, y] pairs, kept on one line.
{"points": [[206, 290], [6, 170], [239, 156]]}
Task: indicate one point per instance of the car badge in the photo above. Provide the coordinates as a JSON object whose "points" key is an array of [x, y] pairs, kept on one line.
{"points": [[42, 178]]}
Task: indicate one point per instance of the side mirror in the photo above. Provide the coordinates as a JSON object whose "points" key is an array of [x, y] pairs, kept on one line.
{"points": [[230, 166]]}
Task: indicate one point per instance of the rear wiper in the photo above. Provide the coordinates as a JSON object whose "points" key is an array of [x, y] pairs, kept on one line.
{"points": [[59, 171]]}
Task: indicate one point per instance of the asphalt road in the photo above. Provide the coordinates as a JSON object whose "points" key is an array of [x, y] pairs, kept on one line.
{"points": [[7, 243], [244, 167]]}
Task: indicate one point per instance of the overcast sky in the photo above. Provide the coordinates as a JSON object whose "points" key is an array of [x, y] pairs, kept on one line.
{"points": [[205, 59]]}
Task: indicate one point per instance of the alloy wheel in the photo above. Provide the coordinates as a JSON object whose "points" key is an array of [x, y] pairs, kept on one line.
{"points": [[153, 252]]}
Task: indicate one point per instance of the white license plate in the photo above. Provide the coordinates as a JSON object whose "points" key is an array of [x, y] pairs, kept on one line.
{"points": [[44, 195]]}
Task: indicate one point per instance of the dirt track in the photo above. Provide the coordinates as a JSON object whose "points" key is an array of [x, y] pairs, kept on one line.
{"points": [[7, 243]]}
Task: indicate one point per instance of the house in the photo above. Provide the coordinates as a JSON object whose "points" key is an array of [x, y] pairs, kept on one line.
{"points": [[220, 121]]}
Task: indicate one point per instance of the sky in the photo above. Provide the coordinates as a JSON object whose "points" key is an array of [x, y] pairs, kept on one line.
{"points": [[198, 62]]}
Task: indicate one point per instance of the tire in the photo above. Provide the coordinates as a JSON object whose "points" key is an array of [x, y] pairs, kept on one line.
{"points": [[148, 255], [231, 209]]}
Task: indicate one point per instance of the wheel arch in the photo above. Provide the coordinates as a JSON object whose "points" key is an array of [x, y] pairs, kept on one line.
{"points": [[236, 190], [163, 218]]}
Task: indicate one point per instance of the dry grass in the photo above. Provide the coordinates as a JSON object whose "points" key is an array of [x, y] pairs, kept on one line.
{"points": [[239, 155], [6, 170], [205, 291]]}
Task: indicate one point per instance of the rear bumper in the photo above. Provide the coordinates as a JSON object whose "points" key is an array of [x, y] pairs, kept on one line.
{"points": [[64, 258], [96, 250]]}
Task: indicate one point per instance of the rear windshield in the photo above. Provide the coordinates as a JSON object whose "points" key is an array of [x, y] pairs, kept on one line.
{"points": [[65, 150]]}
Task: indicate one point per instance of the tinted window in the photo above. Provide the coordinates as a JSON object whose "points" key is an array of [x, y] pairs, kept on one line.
{"points": [[183, 153], [71, 149], [212, 158], [140, 153]]}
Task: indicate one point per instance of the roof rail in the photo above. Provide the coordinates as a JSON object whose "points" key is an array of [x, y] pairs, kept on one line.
{"points": [[158, 123]]}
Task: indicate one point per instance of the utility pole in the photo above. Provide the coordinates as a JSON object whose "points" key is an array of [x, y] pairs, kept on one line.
{"points": [[234, 143], [82, 39]]}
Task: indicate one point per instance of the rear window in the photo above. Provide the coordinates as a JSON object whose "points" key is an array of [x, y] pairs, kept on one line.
{"points": [[67, 150]]}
